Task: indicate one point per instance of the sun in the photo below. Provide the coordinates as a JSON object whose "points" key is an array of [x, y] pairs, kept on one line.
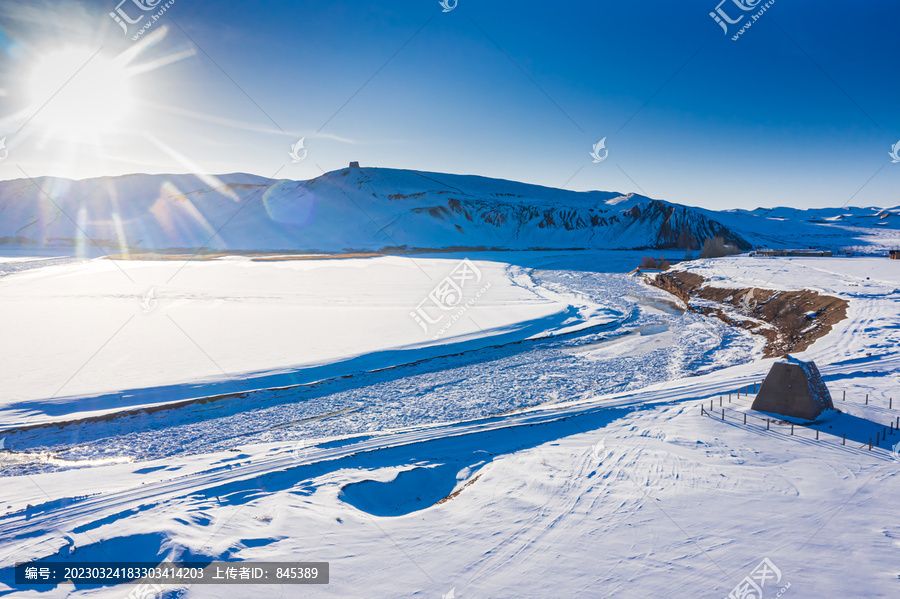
{"points": [[81, 92]]}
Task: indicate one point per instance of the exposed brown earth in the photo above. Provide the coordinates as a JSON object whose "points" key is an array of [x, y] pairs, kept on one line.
{"points": [[458, 491], [254, 256], [790, 321], [271, 256]]}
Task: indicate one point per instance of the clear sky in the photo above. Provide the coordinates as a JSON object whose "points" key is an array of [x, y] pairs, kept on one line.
{"points": [[801, 110]]}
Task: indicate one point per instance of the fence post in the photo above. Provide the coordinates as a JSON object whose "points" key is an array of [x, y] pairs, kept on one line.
{"points": [[867, 399], [710, 405], [870, 443], [792, 428], [890, 403], [767, 424], [817, 434], [844, 442], [845, 396], [723, 413], [745, 418]]}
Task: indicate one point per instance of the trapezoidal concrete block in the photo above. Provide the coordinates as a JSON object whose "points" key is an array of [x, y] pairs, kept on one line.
{"points": [[794, 388]]}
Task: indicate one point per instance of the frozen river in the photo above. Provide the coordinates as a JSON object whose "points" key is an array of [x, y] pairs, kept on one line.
{"points": [[649, 339]]}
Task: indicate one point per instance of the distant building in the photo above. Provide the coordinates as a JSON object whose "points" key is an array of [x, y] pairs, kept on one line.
{"points": [[895, 254], [794, 253], [354, 164]]}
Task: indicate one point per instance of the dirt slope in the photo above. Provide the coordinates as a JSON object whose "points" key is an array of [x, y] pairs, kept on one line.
{"points": [[790, 321]]}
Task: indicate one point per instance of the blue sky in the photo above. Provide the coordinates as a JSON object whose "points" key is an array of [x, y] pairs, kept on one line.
{"points": [[801, 110]]}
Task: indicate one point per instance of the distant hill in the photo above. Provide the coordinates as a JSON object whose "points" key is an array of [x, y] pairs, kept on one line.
{"points": [[370, 209]]}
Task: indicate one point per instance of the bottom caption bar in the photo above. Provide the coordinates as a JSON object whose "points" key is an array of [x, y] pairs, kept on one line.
{"points": [[105, 573]]}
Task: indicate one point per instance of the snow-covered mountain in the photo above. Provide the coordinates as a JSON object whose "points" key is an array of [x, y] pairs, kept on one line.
{"points": [[381, 209]]}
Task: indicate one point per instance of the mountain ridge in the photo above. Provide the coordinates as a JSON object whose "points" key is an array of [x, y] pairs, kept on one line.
{"points": [[370, 209]]}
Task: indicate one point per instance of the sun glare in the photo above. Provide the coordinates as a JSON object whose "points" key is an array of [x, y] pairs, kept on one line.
{"points": [[93, 101]]}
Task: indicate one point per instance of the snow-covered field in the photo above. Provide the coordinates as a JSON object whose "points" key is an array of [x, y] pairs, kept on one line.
{"points": [[124, 330], [563, 406]]}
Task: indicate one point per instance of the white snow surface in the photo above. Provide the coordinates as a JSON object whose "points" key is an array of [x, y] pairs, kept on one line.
{"points": [[172, 324], [617, 488]]}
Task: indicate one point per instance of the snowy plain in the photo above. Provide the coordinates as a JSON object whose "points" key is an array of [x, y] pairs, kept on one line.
{"points": [[568, 419], [162, 324]]}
